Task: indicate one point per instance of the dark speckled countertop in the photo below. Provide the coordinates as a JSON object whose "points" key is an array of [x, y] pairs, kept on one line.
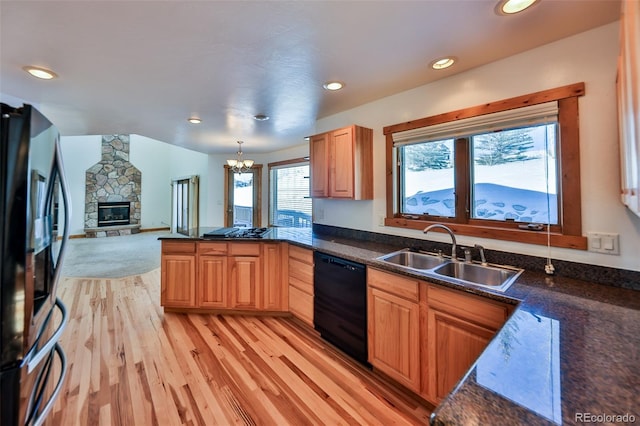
{"points": [[569, 354]]}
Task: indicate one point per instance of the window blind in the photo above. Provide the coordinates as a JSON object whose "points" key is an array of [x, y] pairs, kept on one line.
{"points": [[519, 117], [290, 204]]}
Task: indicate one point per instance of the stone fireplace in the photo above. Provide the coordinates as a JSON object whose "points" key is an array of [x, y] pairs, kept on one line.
{"points": [[113, 191], [114, 213]]}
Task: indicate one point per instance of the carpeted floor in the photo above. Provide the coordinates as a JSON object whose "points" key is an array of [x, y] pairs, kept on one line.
{"points": [[112, 257]]}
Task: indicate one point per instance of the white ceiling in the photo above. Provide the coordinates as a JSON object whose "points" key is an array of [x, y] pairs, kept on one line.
{"points": [[144, 67]]}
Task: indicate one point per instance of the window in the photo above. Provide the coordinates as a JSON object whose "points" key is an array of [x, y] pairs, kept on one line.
{"points": [[512, 177], [289, 201], [503, 170], [242, 197]]}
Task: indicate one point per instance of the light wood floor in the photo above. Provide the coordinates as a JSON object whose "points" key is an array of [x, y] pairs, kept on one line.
{"points": [[132, 364]]}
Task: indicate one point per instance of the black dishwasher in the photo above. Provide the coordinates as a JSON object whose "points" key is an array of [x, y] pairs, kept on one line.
{"points": [[340, 304]]}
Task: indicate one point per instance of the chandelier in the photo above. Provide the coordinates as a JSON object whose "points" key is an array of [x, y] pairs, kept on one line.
{"points": [[238, 165]]}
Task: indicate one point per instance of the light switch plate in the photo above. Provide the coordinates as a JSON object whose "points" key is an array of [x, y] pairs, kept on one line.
{"points": [[601, 242]]}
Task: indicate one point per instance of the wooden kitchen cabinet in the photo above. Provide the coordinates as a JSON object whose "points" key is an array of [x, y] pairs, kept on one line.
{"points": [[301, 283], [319, 161], [426, 336], [342, 163], [460, 326], [213, 266], [393, 315], [275, 288], [221, 275], [245, 275], [178, 276]]}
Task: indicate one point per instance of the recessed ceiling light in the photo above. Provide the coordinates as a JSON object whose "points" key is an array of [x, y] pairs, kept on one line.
{"points": [[333, 85], [509, 7], [442, 63], [194, 120], [42, 73], [261, 117]]}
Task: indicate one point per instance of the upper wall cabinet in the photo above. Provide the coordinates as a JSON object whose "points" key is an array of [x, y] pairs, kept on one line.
{"points": [[342, 164]]}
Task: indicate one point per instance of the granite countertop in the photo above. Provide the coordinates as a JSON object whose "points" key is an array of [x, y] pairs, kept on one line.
{"points": [[569, 353]]}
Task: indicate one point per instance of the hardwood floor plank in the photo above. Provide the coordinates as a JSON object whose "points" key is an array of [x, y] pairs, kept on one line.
{"points": [[144, 414], [224, 372], [203, 398], [132, 364], [350, 375]]}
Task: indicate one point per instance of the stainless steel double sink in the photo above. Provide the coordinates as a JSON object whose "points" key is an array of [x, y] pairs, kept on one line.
{"points": [[495, 277]]}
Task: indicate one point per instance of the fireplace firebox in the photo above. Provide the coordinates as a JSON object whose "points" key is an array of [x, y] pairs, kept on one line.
{"points": [[114, 213]]}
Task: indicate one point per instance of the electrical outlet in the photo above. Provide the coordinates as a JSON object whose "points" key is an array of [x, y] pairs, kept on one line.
{"points": [[381, 220], [600, 242]]}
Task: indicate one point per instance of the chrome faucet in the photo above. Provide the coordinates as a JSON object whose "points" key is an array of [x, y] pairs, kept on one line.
{"points": [[467, 255], [453, 237], [483, 259]]}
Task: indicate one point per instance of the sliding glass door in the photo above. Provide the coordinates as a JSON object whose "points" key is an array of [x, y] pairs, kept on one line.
{"points": [[184, 200]]}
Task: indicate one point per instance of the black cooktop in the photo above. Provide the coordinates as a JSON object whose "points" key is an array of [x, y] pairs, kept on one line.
{"points": [[237, 233]]}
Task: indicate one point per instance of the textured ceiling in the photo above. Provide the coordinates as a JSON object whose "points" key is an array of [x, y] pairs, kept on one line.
{"points": [[144, 67]]}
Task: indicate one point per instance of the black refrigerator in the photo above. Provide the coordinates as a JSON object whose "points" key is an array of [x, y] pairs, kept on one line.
{"points": [[34, 223]]}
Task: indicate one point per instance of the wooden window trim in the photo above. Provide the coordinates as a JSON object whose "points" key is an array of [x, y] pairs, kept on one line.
{"points": [[300, 160], [293, 161], [256, 170], [569, 234]]}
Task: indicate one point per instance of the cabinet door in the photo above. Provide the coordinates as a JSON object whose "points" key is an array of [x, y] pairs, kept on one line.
{"points": [[341, 172], [394, 337], [274, 286], [301, 283], [301, 305], [301, 275], [245, 282], [454, 344], [319, 162], [178, 281], [212, 282]]}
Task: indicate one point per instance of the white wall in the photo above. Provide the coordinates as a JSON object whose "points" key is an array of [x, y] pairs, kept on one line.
{"points": [[158, 162], [589, 57], [216, 180], [78, 154], [185, 162], [151, 158]]}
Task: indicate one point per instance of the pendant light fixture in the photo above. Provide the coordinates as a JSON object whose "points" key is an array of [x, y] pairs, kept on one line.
{"points": [[238, 165]]}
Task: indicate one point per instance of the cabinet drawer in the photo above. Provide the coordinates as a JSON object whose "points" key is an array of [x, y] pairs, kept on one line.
{"points": [[244, 249], [394, 284], [477, 309], [301, 275], [301, 305], [302, 254], [212, 248], [178, 247]]}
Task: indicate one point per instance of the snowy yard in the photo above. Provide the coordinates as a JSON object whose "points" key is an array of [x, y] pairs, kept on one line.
{"points": [[514, 190]]}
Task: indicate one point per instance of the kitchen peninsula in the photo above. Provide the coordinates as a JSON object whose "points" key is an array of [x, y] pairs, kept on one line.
{"points": [[564, 335]]}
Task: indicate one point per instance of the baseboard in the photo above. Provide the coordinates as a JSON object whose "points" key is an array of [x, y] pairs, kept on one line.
{"points": [[141, 230], [155, 229]]}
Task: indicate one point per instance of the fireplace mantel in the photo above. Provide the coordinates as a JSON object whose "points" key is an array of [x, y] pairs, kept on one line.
{"points": [[111, 231]]}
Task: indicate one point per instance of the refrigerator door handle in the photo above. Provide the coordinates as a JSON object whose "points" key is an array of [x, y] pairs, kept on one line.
{"points": [[64, 189], [53, 340], [39, 419]]}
